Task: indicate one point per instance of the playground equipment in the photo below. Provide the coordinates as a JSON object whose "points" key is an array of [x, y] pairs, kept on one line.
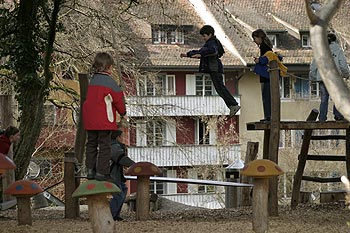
{"points": [[23, 190], [99, 212], [143, 171], [261, 170]]}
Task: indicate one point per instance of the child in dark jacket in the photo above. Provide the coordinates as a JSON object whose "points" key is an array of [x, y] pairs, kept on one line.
{"points": [[119, 161], [104, 98], [210, 63]]}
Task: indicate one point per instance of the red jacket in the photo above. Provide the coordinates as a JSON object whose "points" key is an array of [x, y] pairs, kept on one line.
{"points": [[4, 144], [104, 98]]}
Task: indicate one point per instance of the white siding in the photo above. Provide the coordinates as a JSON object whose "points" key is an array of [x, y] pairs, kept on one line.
{"points": [[171, 188], [184, 155]]}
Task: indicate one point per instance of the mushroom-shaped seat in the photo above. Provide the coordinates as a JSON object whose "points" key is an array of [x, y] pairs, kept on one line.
{"points": [[23, 190], [99, 212], [261, 170], [6, 163], [143, 170]]}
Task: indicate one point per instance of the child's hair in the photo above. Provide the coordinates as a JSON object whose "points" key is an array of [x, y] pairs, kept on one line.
{"points": [[102, 62], [10, 131], [261, 34], [207, 29], [331, 37]]}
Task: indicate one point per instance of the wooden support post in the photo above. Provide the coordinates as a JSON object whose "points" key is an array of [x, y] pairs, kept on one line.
{"points": [[302, 160], [71, 209], [251, 154], [347, 152], [266, 144], [274, 134], [80, 137]]}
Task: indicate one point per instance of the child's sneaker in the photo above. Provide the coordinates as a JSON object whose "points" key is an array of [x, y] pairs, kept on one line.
{"points": [[234, 109]]}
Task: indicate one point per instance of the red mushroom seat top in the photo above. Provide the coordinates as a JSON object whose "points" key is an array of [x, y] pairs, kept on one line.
{"points": [[23, 188], [6, 163], [143, 169], [92, 187], [261, 168]]}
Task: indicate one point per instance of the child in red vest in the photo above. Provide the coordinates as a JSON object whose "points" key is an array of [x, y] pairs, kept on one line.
{"points": [[104, 98]]}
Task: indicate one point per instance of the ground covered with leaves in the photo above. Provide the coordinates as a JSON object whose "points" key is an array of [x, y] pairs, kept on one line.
{"points": [[173, 217]]}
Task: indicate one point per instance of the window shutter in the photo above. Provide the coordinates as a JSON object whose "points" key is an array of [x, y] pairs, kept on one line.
{"points": [[190, 84]]}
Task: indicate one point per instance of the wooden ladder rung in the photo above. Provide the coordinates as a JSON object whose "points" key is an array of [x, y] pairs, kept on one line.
{"points": [[326, 157], [321, 179], [328, 137]]}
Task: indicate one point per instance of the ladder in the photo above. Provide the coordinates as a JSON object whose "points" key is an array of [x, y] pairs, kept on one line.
{"points": [[304, 156]]}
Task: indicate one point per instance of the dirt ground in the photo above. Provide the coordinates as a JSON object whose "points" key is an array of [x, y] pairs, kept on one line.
{"points": [[179, 218]]}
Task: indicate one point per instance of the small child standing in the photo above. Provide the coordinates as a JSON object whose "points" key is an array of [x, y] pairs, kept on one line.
{"points": [[119, 161], [104, 98], [210, 63]]}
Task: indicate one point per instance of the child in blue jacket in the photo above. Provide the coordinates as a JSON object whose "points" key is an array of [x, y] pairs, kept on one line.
{"points": [[261, 68], [210, 63]]}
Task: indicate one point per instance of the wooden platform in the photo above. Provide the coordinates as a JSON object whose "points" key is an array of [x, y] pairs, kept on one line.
{"points": [[300, 125]]}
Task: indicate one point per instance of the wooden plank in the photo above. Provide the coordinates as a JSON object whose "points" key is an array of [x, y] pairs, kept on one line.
{"points": [[321, 179], [266, 146], [8, 204], [80, 137], [347, 152], [193, 181], [302, 161], [274, 134], [326, 157], [300, 125], [332, 196], [328, 137], [71, 210]]}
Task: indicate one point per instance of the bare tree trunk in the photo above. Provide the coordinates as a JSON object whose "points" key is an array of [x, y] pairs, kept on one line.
{"points": [[322, 54]]}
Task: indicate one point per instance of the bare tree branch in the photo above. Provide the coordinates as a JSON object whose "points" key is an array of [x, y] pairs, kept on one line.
{"points": [[324, 60]]}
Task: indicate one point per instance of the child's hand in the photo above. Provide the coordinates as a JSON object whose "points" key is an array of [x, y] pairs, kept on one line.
{"points": [[183, 55], [196, 56], [256, 60]]}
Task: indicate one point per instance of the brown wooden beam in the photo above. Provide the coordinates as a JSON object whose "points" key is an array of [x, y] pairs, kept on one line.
{"points": [[302, 161], [300, 125], [274, 134]]}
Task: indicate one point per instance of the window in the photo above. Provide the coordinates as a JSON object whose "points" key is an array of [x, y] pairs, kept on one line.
{"points": [[158, 187], [290, 138], [206, 188], [155, 132], [315, 90], [204, 85], [286, 87], [177, 37], [156, 85], [299, 87], [273, 39], [202, 133], [305, 41], [302, 88], [168, 34]]}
